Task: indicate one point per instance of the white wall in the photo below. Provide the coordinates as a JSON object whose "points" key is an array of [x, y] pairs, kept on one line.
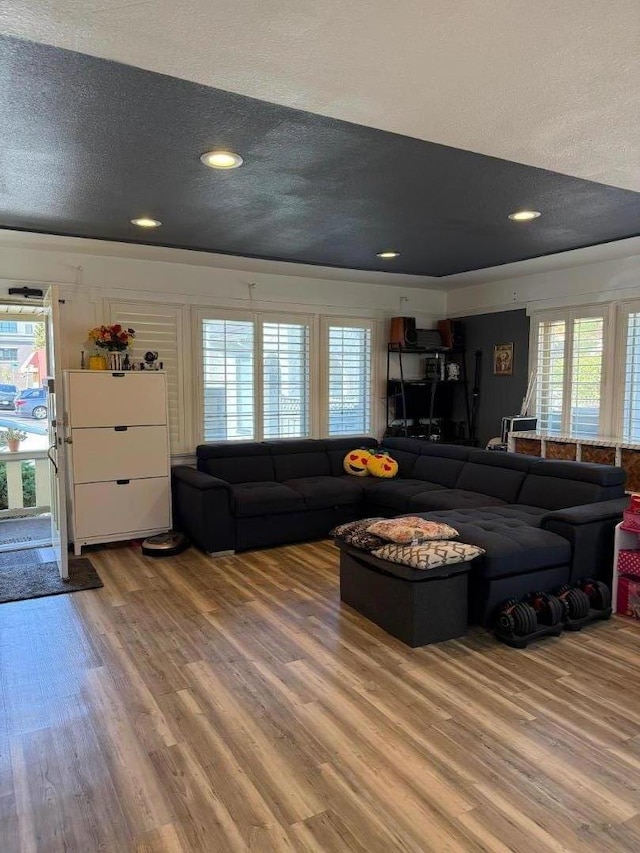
{"points": [[87, 280], [605, 281]]}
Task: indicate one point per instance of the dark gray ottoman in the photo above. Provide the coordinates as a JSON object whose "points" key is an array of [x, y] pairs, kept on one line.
{"points": [[417, 607]]}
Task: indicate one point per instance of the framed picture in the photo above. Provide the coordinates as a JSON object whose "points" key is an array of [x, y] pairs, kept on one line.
{"points": [[503, 359]]}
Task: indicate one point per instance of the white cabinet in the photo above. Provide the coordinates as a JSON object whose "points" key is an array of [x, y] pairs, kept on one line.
{"points": [[118, 436]]}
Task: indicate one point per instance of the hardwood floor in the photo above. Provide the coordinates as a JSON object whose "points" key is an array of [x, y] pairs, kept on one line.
{"points": [[230, 705]]}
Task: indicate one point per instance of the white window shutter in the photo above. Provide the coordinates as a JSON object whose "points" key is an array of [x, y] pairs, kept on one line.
{"points": [[349, 381], [159, 328], [228, 379], [285, 380], [586, 376], [631, 402], [551, 375]]}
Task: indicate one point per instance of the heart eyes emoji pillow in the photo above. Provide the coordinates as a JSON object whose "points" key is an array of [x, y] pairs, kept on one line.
{"points": [[356, 462], [382, 465]]}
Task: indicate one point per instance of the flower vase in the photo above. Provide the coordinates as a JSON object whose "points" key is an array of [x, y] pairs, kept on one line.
{"points": [[115, 361], [13, 444], [97, 362]]}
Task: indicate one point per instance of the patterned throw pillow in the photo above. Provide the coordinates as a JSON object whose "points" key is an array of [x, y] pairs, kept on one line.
{"points": [[402, 531], [355, 533], [428, 555]]}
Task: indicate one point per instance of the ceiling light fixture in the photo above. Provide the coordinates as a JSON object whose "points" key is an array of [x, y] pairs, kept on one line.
{"points": [[388, 254], [524, 215], [221, 159], [146, 222]]}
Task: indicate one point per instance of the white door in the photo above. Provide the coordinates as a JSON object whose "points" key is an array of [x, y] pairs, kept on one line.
{"points": [[57, 446]]}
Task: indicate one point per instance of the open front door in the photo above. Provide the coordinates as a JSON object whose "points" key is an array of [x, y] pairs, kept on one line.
{"points": [[57, 446]]}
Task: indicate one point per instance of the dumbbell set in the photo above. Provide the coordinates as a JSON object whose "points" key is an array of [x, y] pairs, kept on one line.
{"points": [[541, 614]]}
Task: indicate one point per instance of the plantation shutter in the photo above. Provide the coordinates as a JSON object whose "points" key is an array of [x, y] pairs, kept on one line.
{"points": [[349, 356], [285, 380], [631, 403], [586, 376], [550, 384], [228, 376], [158, 328], [569, 353]]}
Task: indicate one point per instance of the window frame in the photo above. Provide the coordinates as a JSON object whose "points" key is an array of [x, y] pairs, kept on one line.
{"points": [[607, 393], [258, 318], [355, 323]]}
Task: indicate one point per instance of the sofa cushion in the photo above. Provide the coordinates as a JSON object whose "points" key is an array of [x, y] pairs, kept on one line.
{"points": [[355, 533], [512, 545], [450, 499], [555, 484], [251, 499], [236, 461], [395, 494], [337, 448], [323, 492], [305, 457], [410, 528], [438, 469], [405, 451], [428, 555], [501, 483]]}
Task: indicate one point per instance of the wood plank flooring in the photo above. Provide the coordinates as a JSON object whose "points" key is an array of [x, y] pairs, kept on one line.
{"points": [[233, 705]]}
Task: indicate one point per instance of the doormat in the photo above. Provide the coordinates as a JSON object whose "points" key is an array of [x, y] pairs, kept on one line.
{"points": [[25, 574]]}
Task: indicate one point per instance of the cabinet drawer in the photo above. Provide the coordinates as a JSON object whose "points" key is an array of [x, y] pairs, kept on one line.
{"points": [[102, 399], [105, 509], [119, 454]]}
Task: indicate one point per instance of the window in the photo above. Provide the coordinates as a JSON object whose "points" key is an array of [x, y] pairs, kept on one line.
{"points": [[256, 378], [630, 427], [285, 382], [8, 327], [349, 379], [568, 348], [8, 354], [229, 391], [158, 327]]}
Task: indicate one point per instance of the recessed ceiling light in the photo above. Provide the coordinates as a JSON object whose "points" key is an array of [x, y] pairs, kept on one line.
{"points": [[524, 215], [388, 253], [221, 160], [146, 222]]}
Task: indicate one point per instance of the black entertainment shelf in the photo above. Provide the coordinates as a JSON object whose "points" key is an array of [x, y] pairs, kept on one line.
{"points": [[428, 415]]}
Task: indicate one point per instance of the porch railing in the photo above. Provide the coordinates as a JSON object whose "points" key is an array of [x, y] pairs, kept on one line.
{"points": [[24, 483]]}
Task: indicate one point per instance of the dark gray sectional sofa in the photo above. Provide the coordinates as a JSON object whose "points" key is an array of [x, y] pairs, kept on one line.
{"points": [[542, 523]]}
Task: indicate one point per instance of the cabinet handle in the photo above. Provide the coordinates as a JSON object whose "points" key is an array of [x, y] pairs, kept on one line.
{"points": [[118, 375], [121, 428], [122, 482]]}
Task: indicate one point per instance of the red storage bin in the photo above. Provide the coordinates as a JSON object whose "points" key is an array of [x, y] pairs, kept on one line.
{"points": [[629, 563], [631, 521], [629, 597]]}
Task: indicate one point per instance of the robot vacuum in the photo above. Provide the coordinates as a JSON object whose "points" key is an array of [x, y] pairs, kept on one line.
{"points": [[165, 544]]}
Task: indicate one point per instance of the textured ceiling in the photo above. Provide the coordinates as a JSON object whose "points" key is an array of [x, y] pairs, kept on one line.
{"points": [[88, 144], [550, 83]]}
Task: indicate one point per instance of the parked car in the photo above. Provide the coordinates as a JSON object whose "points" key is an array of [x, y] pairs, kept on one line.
{"points": [[32, 402], [8, 394]]}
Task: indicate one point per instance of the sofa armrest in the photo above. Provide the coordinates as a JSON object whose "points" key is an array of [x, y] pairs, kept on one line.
{"points": [[203, 509], [198, 479], [590, 530], [588, 513]]}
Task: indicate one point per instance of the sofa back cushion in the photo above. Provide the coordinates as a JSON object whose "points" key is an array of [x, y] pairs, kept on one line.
{"points": [[294, 458], [236, 461], [440, 463], [405, 451], [337, 449], [500, 475], [553, 484]]}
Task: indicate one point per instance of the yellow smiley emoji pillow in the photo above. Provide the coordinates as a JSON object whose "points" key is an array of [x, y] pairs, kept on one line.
{"points": [[382, 465], [356, 462]]}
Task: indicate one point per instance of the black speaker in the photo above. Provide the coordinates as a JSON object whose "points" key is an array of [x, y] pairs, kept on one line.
{"points": [[402, 332], [452, 332]]}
